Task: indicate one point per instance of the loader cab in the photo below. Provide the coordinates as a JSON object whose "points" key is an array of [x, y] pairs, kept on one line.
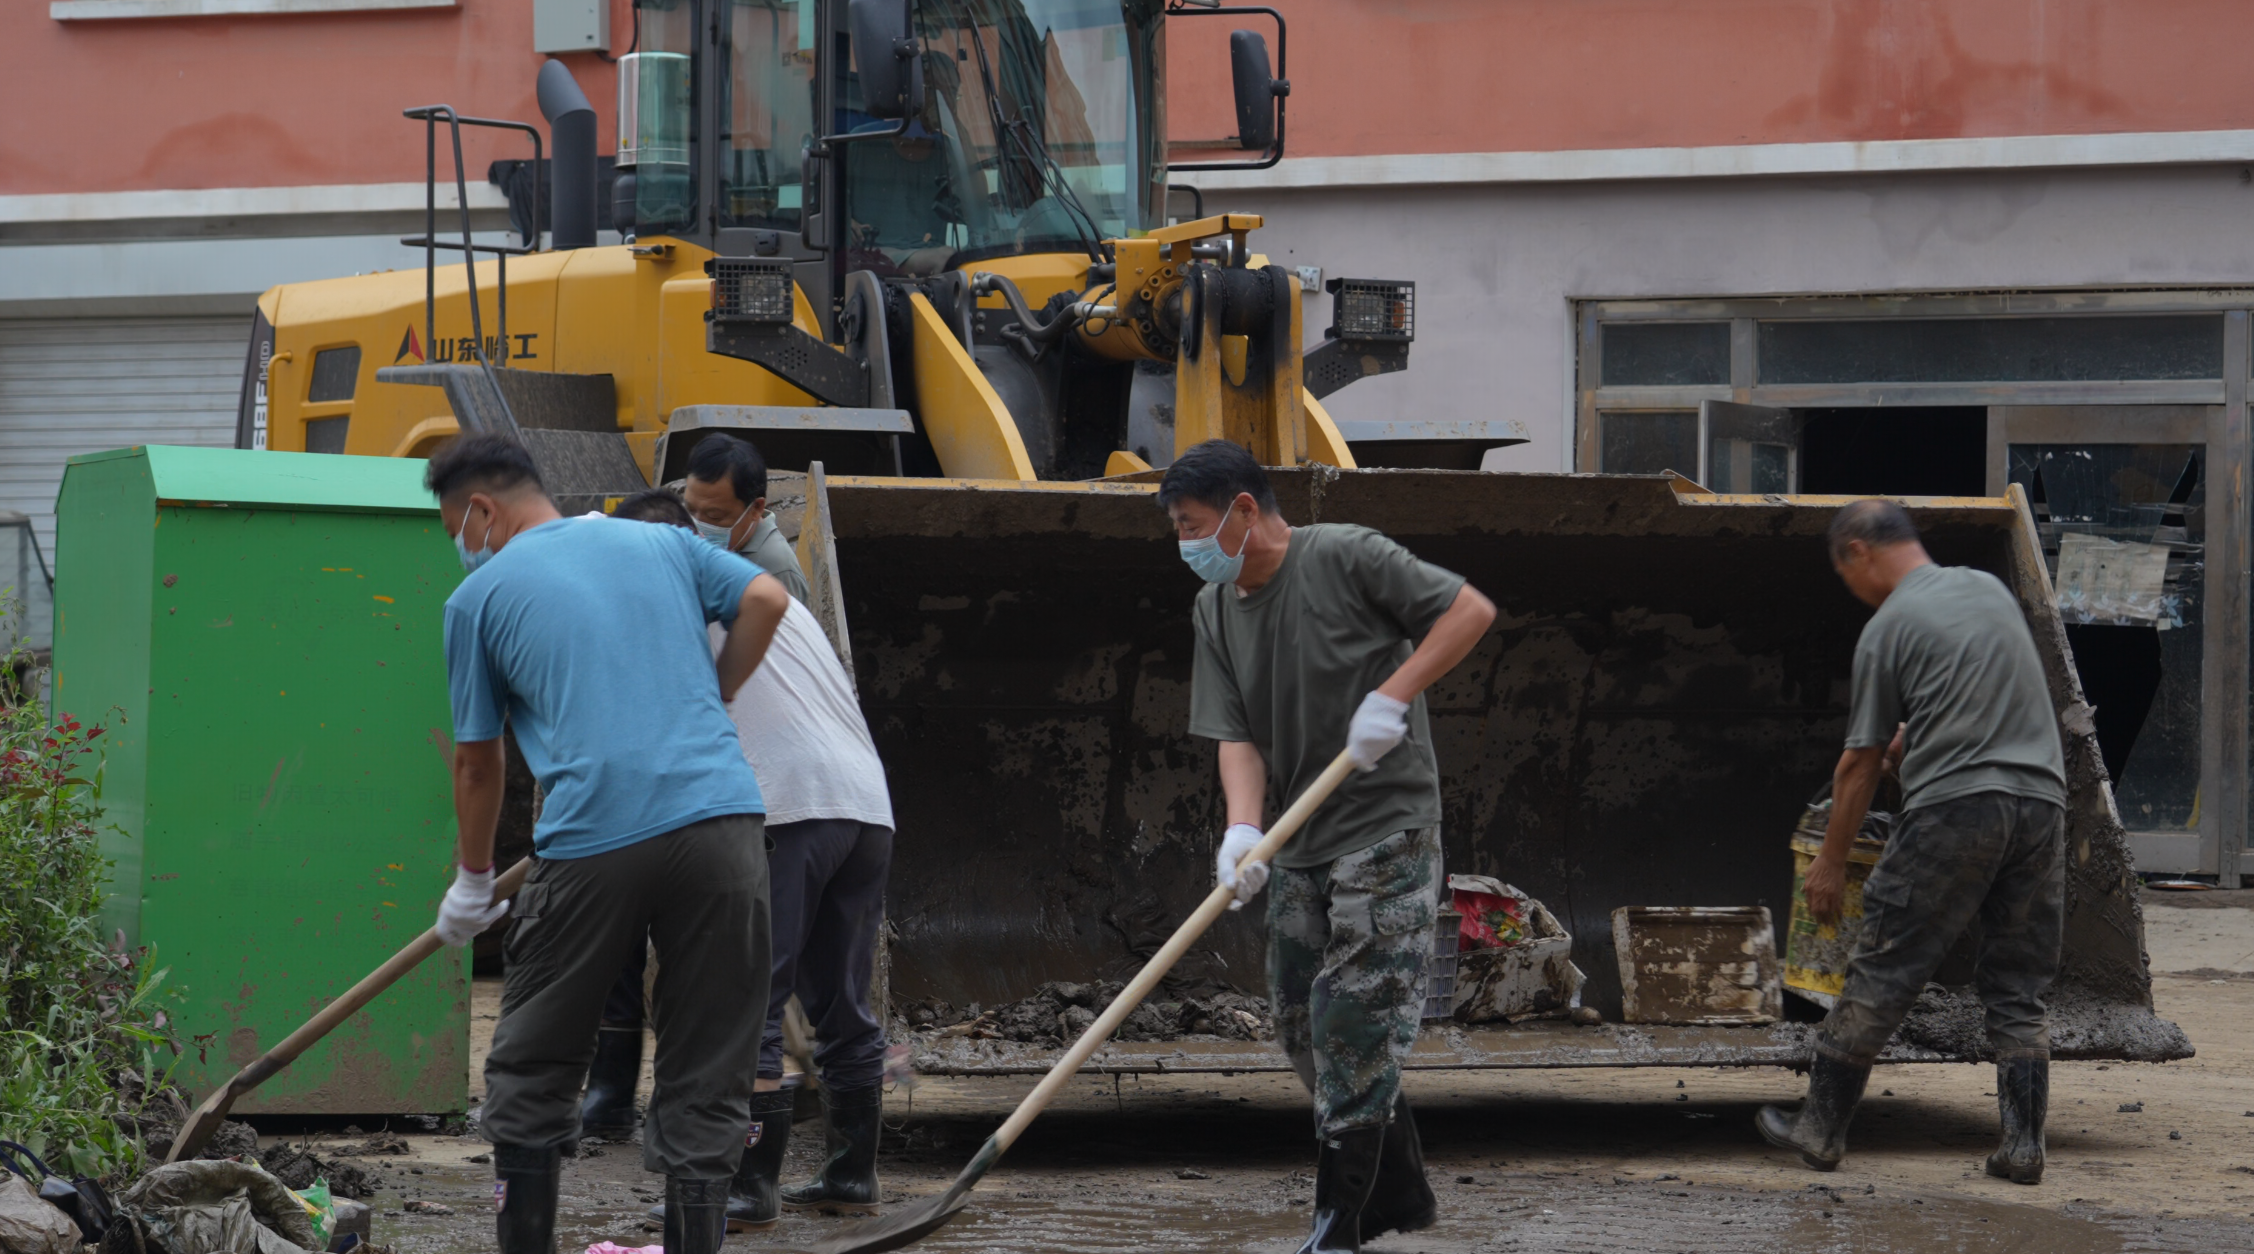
{"points": [[743, 130]]}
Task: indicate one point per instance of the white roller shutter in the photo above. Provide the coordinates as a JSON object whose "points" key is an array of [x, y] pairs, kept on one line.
{"points": [[77, 385]]}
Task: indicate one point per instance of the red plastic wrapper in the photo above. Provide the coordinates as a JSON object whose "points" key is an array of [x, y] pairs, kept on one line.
{"points": [[1494, 913]]}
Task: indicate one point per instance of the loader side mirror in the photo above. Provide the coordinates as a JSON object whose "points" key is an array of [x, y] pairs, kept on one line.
{"points": [[1257, 90], [887, 58]]}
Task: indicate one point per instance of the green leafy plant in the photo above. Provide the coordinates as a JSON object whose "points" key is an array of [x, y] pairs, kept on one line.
{"points": [[85, 1036]]}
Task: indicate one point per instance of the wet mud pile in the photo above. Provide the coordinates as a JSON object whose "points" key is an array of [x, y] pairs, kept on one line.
{"points": [[298, 1167], [1951, 1021], [161, 1120], [1059, 1011]]}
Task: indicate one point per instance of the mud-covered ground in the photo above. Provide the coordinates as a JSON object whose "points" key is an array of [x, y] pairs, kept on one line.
{"points": [[1605, 1161]]}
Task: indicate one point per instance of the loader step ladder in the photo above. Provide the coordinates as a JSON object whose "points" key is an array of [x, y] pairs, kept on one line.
{"points": [[568, 422]]}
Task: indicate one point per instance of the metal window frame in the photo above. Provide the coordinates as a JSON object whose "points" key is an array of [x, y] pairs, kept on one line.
{"points": [[2224, 732]]}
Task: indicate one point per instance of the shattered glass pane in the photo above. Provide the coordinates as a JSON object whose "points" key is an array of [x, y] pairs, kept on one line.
{"points": [[2123, 528]]}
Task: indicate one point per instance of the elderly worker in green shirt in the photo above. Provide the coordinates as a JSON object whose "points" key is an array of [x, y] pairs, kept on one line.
{"points": [[1946, 670], [1311, 640]]}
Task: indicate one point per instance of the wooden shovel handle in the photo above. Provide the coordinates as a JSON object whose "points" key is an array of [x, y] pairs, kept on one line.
{"points": [[1168, 954]]}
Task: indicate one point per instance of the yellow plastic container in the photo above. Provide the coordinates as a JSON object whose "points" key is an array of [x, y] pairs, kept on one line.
{"points": [[1815, 954]]}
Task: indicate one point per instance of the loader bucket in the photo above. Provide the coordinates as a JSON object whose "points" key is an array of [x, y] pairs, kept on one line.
{"points": [[1665, 686]]}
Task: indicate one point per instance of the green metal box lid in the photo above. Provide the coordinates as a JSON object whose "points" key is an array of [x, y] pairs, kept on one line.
{"points": [[227, 477]]}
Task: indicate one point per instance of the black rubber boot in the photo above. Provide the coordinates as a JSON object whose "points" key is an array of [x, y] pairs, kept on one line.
{"points": [[1346, 1168], [607, 1110], [2023, 1097], [526, 1182], [1401, 1200], [752, 1201], [696, 1215], [1818, 1131], [849, 1179]]}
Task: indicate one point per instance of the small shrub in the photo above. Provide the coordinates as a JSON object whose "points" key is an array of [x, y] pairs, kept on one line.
{"points": [[85, 1037]]}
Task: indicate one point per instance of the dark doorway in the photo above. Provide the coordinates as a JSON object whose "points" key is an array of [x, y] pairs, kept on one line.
{"points": [[1925, 451]]}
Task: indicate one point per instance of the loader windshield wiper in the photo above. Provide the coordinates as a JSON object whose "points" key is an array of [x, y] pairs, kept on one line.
{"points": [[1036, 136], [1012, 129]]}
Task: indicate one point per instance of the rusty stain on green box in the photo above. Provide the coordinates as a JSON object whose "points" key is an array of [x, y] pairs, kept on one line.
{"points": [[261, 634]]}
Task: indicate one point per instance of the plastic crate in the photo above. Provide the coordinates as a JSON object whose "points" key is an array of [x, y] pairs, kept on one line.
{"points": [[1440, 967]]}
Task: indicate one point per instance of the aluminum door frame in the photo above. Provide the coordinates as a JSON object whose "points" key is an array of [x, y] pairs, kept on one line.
{"points": [[2219, 845]]}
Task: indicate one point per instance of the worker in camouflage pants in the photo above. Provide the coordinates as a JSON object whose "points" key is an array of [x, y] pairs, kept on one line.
{"points": [[1310, 641], [1347, 949], [1948, 684]]}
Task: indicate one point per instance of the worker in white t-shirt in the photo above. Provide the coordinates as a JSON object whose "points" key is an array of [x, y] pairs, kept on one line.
{"points": [[829, 828]]}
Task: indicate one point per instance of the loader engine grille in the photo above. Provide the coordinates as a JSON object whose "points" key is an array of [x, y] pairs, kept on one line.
{"points": [[746, 289], [1374, 309]]}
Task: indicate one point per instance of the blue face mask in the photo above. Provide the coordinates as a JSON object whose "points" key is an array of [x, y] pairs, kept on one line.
{"points": [[1211, 564], [471, 561], [717, 535]]}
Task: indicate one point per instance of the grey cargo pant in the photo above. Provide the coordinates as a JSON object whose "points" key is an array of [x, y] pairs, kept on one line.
{"points": [[1347, 948], [828, 877], [1990, 855], [700, 894]]}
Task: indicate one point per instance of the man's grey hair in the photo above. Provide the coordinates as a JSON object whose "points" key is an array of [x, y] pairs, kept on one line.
{"points": [[1876, 522]]}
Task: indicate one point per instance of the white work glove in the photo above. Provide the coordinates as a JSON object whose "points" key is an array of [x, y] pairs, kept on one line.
{"points": [[468, 907], [1379, 725], [1235, 843]]}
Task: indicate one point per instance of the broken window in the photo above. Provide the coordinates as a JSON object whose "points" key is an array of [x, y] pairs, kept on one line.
{"points": [[2123, 528]]}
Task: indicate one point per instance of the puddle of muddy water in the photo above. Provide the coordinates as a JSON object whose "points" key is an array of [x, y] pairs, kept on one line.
{"points": [[1261, 1206], [1580, 1219], [1120, 1226]]}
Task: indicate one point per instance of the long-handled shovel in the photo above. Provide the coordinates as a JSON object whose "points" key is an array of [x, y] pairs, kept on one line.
{"points": [[917, 1221], [208, 1117]]}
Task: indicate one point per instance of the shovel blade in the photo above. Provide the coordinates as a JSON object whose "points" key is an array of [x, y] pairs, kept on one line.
{"points": [[201, 1126], [895, 1231]]}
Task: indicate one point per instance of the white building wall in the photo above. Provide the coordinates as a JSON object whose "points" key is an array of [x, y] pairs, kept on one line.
{"points": [[1498, 265]]}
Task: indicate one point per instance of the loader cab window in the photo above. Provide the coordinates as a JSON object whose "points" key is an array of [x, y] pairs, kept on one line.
{"points": [[767, 113], [665, 184], [1041, 132]]}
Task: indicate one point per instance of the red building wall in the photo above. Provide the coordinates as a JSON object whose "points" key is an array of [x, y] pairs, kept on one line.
{"points": [[315, 99]]}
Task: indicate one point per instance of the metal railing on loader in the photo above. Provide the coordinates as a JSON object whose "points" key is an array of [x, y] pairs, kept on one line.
{"points": [[430, 116]]}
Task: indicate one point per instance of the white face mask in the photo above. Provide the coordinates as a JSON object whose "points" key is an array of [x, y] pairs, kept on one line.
{"points": [[716, 533]]}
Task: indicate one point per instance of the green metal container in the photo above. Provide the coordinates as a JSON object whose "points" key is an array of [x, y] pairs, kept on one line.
{"points": [[260, 633]]}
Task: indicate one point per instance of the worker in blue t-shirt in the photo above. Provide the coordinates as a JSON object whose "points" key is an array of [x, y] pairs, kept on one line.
{"points": [[652, 826]]}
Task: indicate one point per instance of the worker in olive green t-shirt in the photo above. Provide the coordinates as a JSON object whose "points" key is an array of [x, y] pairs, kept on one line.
{"points": [[1948, 683], [1313, 640]]}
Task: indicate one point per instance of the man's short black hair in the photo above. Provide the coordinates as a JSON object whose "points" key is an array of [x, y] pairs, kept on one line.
{"points": [[719, 456], [1213, 473], [654, 505], [1876, 522], [481, 462]]}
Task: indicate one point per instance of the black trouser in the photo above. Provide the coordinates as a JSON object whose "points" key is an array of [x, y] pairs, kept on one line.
{"points": [[699, 893], [1990, 855], [828, 879]]}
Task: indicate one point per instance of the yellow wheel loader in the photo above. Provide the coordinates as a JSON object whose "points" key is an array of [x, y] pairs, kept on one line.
{"points": [[949, 257], [920, 250]]}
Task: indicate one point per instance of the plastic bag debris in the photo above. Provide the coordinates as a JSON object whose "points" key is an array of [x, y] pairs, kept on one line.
{"points": [[216, 1206], [1494, 913], [1516, 960], [320, 1211], [28, 1225]]}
